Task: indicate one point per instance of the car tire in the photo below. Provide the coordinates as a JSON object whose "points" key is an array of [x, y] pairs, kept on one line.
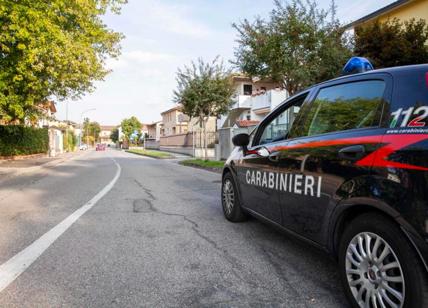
{"points": [[230, 200], [376, 261]]}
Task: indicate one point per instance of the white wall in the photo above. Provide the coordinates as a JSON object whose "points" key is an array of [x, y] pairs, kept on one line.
{"points": [[257, 103]]}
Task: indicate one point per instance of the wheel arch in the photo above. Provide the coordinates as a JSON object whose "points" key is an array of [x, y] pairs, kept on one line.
{"points": [[226, 170], [229, 169], [351, 209]]}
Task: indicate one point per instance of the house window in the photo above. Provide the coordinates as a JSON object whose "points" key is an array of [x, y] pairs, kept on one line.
{"points": [[248, 89]]}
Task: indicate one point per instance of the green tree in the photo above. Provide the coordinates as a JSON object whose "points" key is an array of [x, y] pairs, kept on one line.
{"points": [[53, 48], [114, 136], [393, 43], [204, 90], [91, 131], [129, 127], [298, 45]]}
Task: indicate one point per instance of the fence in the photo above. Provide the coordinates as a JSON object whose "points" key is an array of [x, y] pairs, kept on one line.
{"points": [[179, 140], [191, 143], [199, 139], [152, 144]]}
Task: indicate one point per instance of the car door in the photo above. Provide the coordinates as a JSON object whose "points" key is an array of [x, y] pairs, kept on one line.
{"points": [[257, 170], [328, 146]]}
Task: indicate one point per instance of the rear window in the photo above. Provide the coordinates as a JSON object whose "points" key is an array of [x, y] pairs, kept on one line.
{"points": [[410, 100], [346, 106]]}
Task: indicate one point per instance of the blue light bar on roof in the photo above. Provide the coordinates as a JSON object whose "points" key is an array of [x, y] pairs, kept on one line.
{"points": [[357, 65]]}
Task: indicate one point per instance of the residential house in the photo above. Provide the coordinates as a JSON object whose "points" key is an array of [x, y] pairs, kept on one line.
{"points": [[181, 134], [145, 129], [105, 133], [47, 110], [174, 121], [401, 9], [55, 128], [154, 130], [153, 135], [253, 100]]}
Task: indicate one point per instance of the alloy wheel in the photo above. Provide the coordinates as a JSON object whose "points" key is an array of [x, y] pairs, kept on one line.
{"points": [[374, 272], [228, 196]]}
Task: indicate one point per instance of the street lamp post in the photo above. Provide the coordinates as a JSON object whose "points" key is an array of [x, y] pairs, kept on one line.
{"points": [[81, 121]]}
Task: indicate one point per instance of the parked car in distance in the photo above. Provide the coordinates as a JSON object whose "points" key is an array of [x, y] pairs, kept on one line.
{"points": [[100, 147], [344, 166], [83, 147]]}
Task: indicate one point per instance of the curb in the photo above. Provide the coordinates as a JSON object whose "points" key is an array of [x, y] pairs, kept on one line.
{"points": [[211, 169], [140, 154]]}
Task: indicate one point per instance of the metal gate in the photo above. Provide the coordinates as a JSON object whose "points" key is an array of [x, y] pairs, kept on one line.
{"points": [[225, 136]]}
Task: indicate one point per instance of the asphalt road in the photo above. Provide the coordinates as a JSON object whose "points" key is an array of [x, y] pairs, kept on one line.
{"points": [[156, 239]]}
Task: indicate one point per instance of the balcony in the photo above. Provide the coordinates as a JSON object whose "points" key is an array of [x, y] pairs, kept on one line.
{"points": [[259, 105], [240, 101], [267, 101]]}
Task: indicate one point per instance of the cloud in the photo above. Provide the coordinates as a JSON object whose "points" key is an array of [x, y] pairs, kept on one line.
{"points": [[137, 57], [169, 18], [176, 19], [146, 56]]}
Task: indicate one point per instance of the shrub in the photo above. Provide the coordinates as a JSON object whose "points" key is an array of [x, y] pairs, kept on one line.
{"points": [[23, 140], [393, 43], [70, 141]]}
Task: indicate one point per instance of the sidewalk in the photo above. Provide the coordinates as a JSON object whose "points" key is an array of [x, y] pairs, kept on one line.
{"points": [[16, 167]]}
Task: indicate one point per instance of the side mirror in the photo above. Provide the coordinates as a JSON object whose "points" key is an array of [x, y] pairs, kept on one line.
{"points": [[241, 140]]}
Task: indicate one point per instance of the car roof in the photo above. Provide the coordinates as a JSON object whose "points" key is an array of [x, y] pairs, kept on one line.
{"points": [[389, 70]]}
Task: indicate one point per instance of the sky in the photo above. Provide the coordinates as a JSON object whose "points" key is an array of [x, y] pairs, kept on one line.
{"points": [[164, 35]]}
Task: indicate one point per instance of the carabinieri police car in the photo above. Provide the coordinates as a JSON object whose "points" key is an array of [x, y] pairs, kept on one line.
{"points": [[343, 165]]}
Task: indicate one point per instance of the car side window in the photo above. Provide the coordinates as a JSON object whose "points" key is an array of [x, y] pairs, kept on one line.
{"points": [[410, 103], [277, 129], [345, 106]]}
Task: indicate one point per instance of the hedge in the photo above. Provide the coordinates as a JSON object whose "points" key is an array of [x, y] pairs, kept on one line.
{"points": [[23, 140]]}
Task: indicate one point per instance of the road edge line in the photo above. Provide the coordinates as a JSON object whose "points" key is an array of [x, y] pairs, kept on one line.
{"points": [[15, 266]]}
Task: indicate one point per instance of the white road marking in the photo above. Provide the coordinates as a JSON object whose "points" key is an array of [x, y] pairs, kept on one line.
{"points": [[16, 265]]}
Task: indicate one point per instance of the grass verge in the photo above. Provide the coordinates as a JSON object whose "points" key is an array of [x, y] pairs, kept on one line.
{"points": [[150, 153], [212, 165]]}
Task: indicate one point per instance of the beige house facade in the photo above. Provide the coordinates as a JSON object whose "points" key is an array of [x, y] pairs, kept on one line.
{"points": [[403, 10], [195, 126], [174, 122], [154, 130], [105, 133], [181, 134]]}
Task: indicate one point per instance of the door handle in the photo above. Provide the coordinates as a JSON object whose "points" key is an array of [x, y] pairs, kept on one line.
{"points": [[352, 152], [274, 156]]}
